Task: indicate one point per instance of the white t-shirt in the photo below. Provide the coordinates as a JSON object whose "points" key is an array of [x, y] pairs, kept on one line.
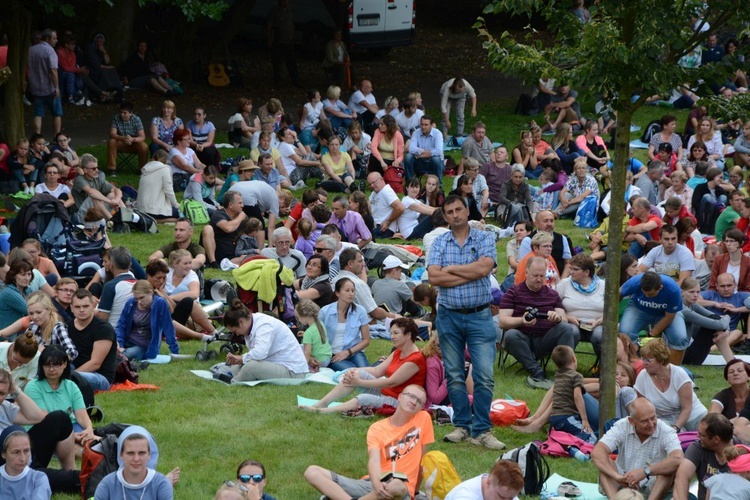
{"points": [[667, 403], [410, 218], [471, 489], [734, 271], [313, 115], [60, 189], [363, 144], [409, 124], [380, 204], [188, 158], [184, 285], [670, 265], [287, 151], [357, 97]]}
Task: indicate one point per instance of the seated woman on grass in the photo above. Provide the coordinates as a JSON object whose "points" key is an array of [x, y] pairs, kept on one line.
{"points": [[382, 384], [145, 319]]}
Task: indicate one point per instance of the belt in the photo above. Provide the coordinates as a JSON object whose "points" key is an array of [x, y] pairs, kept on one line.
{"points": [[469, 310]]}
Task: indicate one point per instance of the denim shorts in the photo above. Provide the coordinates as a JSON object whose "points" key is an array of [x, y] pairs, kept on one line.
{"points": [[54, 104]]}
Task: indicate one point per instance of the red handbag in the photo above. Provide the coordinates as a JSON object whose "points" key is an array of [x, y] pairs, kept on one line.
{"points": [[394, 177]]}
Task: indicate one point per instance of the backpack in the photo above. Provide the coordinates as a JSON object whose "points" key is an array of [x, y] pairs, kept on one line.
{"points": [[99, 459], [195, 211], [653, 127], [533, 466], [124, 371], [95, 413], [129, 193], [145, 224], [439, 475]]}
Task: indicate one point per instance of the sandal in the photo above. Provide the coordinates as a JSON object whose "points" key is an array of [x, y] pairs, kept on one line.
{"points": [[568, 489]]}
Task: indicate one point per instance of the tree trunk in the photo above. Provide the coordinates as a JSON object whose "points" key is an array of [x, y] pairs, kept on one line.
{"points": [[18, 24], [117, 23], [617, 218]]}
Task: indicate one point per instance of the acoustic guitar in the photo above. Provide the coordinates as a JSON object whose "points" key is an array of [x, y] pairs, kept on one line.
{"points": [[217, 75]]}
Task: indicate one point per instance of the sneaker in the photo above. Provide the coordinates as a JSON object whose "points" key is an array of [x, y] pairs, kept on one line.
{"points": [[81, 101], [112, 173], [26, 101], [539, 383], [488, 441], [299, 185], [88, 103], [569, 489], [457, 435]]}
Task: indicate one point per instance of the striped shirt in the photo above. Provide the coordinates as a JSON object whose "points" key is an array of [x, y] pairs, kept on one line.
{"points": [[446, 251]]}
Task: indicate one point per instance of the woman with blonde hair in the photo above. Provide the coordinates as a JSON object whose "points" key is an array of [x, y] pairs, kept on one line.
{"points": [[44, 322], [735, 485], [565, 147], [708, 135], [338, 114], [145, 319], [163, 127], [182, 281]]}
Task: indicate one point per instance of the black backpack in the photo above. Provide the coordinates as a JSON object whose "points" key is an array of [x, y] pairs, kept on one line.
{"points": [[533, 466], [653, 127]]}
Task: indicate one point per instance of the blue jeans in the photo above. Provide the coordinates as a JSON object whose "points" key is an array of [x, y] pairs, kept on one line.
{"points": [[477, 332], [356, 360], [534, 173], [96, 381], [134, 352], [571, 424], [71, 83], [378, 234], [431, 165], [634, 320], [636, 249]]}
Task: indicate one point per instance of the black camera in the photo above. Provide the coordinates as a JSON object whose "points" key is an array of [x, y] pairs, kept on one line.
{"points": [[533, 313]]}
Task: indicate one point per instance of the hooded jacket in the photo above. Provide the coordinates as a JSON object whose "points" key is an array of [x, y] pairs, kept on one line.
{"points": [[155, 190]]}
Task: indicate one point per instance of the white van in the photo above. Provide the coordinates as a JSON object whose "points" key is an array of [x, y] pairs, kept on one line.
{"points": [[378, 24]]}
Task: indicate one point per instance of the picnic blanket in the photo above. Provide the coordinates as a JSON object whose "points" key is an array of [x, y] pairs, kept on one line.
{"points": [[160, 359], [638, 144], [718, 359], [324, 376], [303, 401]]}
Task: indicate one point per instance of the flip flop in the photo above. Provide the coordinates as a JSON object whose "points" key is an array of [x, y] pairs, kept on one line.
{"points": [[569, 490]]}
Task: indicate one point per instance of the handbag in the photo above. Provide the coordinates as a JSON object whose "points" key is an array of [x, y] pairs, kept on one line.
{"points": [[394, 177]]}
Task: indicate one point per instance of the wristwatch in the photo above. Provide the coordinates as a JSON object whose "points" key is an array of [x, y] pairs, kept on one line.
{"points": [[647, 471]]}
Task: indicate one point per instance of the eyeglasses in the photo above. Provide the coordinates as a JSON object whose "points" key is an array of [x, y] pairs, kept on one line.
{"points": [[320, 249], [91, 168], [256, 478], [414, 398]]}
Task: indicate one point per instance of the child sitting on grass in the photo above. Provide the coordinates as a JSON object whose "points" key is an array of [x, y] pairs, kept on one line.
{"points": [[568, 409], [246, 243], [315, 344], [546, 199]]}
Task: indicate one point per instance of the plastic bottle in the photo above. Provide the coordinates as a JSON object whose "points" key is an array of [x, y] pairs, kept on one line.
{"points": [[578, 454]]}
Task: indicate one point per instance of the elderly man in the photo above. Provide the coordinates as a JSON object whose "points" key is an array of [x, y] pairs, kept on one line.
{"points": [[350, 223], [642, 227], [282, 250], [561, 244], [220, 235], [649, 454], [425, 154], [385, 205], [43, 78], [183, 234], [649, 183], [531, 335], [92, 190], [126, 135], [704, 458], [398, 442], [477, 146], [460, 264], [670, 259], [325, 245], [655, 306]]}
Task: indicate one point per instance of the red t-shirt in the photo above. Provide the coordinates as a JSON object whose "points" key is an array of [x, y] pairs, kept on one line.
{"points": [[396, 362], [655, 231], [296, 214], [743, 225]]}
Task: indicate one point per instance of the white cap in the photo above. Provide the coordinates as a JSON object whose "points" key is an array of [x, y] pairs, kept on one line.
{"points": [[392, 262]]}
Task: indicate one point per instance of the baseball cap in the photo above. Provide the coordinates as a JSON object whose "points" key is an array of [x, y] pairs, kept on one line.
{"points": [[392, 262]]}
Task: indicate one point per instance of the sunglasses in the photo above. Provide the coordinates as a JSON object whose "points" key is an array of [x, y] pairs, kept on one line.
{"points": [[256, 478]]}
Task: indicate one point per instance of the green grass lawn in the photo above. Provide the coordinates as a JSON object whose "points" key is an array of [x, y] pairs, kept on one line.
{"points": [[207, 428]]}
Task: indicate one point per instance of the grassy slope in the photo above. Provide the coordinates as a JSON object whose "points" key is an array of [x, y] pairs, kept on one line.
{"points": [[207, 429]]}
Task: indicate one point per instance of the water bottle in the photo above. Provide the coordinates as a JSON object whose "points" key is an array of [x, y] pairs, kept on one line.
{"points": [[578, 454]]}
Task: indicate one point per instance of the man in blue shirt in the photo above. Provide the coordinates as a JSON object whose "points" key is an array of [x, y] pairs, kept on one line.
{"points": [[727, 300], [425, 154], [655, 301], [459, 264]]}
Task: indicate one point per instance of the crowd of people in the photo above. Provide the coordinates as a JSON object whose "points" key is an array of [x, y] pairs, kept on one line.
{"points": [[683, 295]]}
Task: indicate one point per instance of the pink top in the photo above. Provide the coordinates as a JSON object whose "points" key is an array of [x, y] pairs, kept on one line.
{"points": [[436, 384], [581, 143], [398, 146]]}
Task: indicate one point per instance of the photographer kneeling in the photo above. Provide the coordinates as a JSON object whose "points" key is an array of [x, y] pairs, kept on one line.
{"points": [[532, 333]]}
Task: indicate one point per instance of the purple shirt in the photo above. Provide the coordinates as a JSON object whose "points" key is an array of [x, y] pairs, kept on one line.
{"points": [[42, 59], [518, 297], [352, 226], [495, 177]]}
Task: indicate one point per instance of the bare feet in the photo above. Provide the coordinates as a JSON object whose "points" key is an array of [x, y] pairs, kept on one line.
{"points": [[525, 421], [174, 476], [308, 408], [528, 429]]}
